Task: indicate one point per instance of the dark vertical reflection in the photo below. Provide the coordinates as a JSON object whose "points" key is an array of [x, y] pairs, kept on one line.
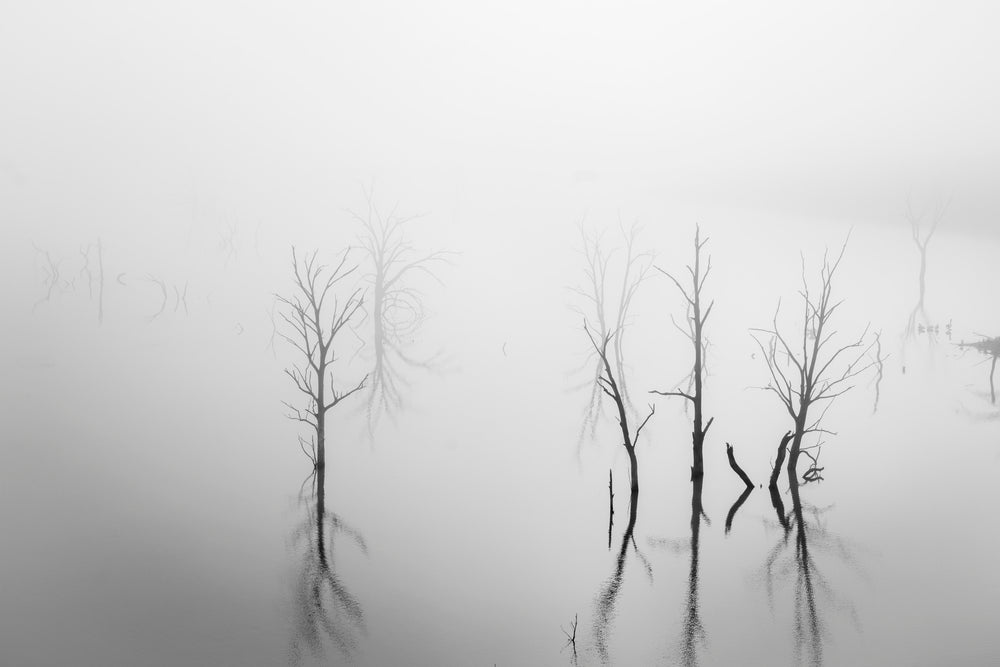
{"points": [[609, 595], [808, 633], [324, 609], [803, 528], [736, 506], [694, 631]]}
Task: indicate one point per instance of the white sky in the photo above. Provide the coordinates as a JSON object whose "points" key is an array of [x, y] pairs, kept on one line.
{"points": [[839, 107]]}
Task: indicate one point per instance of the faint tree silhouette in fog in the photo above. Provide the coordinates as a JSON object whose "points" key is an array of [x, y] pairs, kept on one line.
{"points": [[91, 278], [163, 295], [611, 388], [52, 279], [922, 239], [634, 270], [397, 308], [314, 328], [695, 317], [991, 348], [808, 371], [323, 604]]}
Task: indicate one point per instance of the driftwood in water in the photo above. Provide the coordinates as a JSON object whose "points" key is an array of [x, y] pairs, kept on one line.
{"points": [[736, 466]]}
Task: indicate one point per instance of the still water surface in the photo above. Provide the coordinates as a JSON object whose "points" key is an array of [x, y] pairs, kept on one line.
{"points": [[158, 512]]}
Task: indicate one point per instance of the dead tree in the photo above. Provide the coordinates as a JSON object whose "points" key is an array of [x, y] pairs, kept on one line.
{"points": [[991, 348], [634, 270], [696, 318], [922, 240], [91, 278], [52, 280], [611, 387], [820, 371], [397, 307], [314, 328]]}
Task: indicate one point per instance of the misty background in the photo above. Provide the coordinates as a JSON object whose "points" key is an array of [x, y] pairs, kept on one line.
{"points": [[149, 478]]}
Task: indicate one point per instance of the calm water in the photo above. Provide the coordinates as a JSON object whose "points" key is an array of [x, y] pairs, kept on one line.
{"points": [[158, 512]]}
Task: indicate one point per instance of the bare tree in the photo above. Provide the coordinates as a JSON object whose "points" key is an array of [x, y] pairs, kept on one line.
{"points": [[91, 278], [52, 279], [696, 317], [313, 330], [634, 270], [610, 387], [820, 370], [922, 239], [397, 308], [989, 347]]}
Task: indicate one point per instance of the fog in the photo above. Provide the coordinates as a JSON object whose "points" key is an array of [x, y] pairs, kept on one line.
{"points": [[158, 164]]}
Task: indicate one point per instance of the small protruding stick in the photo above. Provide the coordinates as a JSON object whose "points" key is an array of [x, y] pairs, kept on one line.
{"points": [[736, 466], [571, 638], [611, 505]]}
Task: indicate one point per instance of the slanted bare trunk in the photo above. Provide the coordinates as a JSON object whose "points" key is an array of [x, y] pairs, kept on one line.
{"points": [[779, 459], [611, 388]]}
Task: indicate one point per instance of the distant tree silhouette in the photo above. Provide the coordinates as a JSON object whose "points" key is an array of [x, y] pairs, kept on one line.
{"points": [[991, 348], [696, 316], [922, 239], [314, 327], [397, 307], [606, 320], [820, 371]]}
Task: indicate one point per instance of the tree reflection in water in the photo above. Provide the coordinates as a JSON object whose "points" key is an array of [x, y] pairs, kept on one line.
{"points": [[803, 527], [694, 631], [609, 594], [324, 609]]}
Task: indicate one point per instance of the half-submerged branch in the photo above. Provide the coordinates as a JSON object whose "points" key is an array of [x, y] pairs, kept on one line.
{"points": [[736, 467]]}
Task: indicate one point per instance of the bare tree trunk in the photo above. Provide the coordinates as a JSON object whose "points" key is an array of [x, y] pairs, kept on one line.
{"points": [[698, 436], [993, 391], [633, 469], [321, 441], [779, 460], [796, 447], [696, 319]]}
